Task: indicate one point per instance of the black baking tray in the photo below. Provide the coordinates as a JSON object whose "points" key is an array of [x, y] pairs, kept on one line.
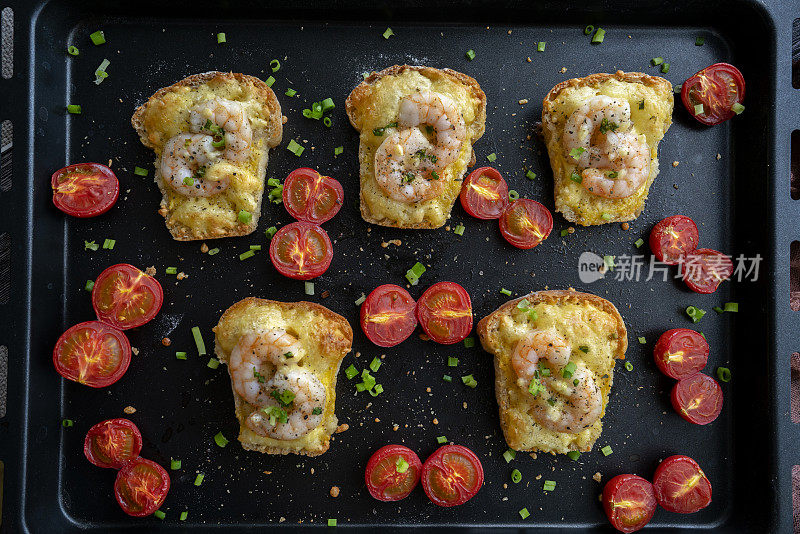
{"points": [[740, 201]]}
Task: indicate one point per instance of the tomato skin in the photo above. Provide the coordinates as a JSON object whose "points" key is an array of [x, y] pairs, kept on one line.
{"points": [[526, 223], [388, 315], [311, 197], [112, 443], [698, 399], [718, 87], [84, 189], [629, 502], [671, 239], [291, 245], [79, 349], [454, 469], [705, 269], [125, 297], [681, 471], [680, 353], [444, 311], [383, 481], [141, 487], [484, 194]]}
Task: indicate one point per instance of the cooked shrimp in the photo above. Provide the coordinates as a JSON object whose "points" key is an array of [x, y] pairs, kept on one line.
{"points": [[628, 167], [439, 112], [569, 404], [295, 406], [405, 166], [547, 344], [254, 359], [225, 119], [183, 165]]}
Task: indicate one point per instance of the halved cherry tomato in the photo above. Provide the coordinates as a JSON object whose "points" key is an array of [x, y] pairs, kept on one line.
{"points": [[525, 223], [92, 353], [112, 443], [629, 502], [484, 193], [452, 475], [141, 487], [698, 399], [717, 88], [125, 297], [680, 353], [84, 189], [705, 269], [445, 312], [671, 239], [311, 197], [681, 486], [392, 473], [388, 316], [301, 250]]}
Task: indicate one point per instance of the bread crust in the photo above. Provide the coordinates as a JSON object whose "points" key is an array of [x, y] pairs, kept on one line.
{"points": [[356, 103], [272, 137]]}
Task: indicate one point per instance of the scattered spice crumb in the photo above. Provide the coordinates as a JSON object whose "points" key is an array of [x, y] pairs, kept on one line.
{"points": [[129, 410], [523, 101], [626, 226], [203, 248], [342, 428], [424, 337], [428, 389], [597, 477], [334, 491], [166, 342], [325, 294], [282, 519], [435, 421], [538, 477], [533, 455], [377, 420], [529, 59], [396, 242], [135, 351], [182, 275], [719, 156], [676, 163], [563, 70], [267, 472], [150, 271], [571, 230], [395, 427], [464, 405]]}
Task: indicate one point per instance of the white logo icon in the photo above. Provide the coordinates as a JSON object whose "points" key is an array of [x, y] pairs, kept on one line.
{"points": [[591, 267]]}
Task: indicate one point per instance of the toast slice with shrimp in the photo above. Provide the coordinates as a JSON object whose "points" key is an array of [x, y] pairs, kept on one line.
{"points": [[586, 202], [544, 413], [167, 114], [325, 339], [373, 108]]}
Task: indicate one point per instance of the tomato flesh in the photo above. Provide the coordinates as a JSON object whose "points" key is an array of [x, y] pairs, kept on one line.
{"points": [[388, 315], [112, 443], [383, 479], [673, 238], [312, 197], [92, 353], [301, 250], [629, 502], [717, 88], [484, 194], [526, 223], [125, 297], [84, 189], [445, 313], [705, 269], [452, 475], [698, 399], [680, 353], [141, 487], [681, 486]]}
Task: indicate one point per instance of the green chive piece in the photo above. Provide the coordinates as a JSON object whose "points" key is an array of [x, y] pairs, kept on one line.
{"points": [[401, 465], [388, 33], [698, 109], [159, 514], [270, 232], [469, 381], [375, 364], [737, 108], [575, 177], [290, 92], [470, 54], [413, 274], [540, 46], [509, 455], [584, 349], [327, 122], [628, 366], [447, 378], [221, 38], [220, 440], [275, 65], [67, 423], [441, 439], [638, 243], [575, 153], [642, 340], [513, 195], [90, 245], [351, 372], [184, 515], [657, 61], [255, 247], [568, 370], [338, 150], [699, 41], [599, 35], [694, 313], [270, 81], [89, 285], [171, 270], [213, 363], [606, 216], [198, 340], [138, 171], [295, 148], [665, 68], [492, 156], [247, 255], [588, 30], [606, 450], [360, 300], [332, 522], [73, 51], [174, 464], [244, 217], [516, 476], [213, 251], [108, 244], [199, 479], [377, 390], [564, 232], [98, 37], [459, 230], [180, 355], [505, 292], [724, 374], [731, 307], [530, 175], [549, 485], [452, 361], [469, 342], [574, 455], [309, 288], [609, 262], [75, 109], [524, 513]]}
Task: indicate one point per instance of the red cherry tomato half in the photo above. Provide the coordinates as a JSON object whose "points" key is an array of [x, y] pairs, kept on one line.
{"points": [[92, 353], [389, 315], [717, 88], [125, 297], [452, 475], [698, 399], [681, 486], [629, 502], [484, 193], [301, 250], [112, 443], [671, 239], [525, 223], [311, 197], [445, 312], [84, 189], [680, 353], [705, 269], [141, 487], [392, 473]]}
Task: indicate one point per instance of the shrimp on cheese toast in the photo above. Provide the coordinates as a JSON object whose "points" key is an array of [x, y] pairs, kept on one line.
{"points": [[554, 355], [212, 134], [283, 358], [602, 134], [417, 126]]}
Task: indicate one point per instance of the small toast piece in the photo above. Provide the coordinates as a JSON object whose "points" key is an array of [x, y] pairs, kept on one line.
{"points": [[166, 114], [651, 102], [326, 338], [597, 335], [374, 104]]}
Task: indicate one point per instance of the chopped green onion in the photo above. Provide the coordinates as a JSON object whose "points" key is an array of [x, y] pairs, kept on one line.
{"points": [[180, 355], [694, 313], [638, 243], [388, 33], [327, 105], [90, 245], [606, 450], [199, 479], [213, 251], [588, 30], [213, 363], [513, 195], [568, 370], [524, 513], [338, 150], [731, 307], [492, 156], [89, 285], [665, 68], [332, 522], [138, 171], [377, 390], [351, 372], [360, 300], [575, 153], [699, 41], [459, 230], [549, 485], [509, 455], [188, 181], [530, 175], [413, 274], [361, 387], [575, 177], [108, 244], [447, 378], [737, 108], [255, 247], [375, 364], [309, 287], [470, 54], [98, 37], [220, 440], [174, 464], [599, 35], [441, 439], [564, 232], [171, 270], [247, 255], [628, 366], [724, 374], [584, 349], [159, 514], [184, 515], [401, 465], [642, 340], [75, 109], [540, 46], [609, 262], [198, 340], [452, 361], [73, 51], [275, 65], [270, 232], [100, 73], [221, 38], [327, 122], [516, 476], [606, 216], [574, 455], [290, 92], [469, 342], [469, 381], [270, 81], [505, 292], [244, 217], [66, 423], [295, 148], [641, 104], [657, 61], [698, 109]]}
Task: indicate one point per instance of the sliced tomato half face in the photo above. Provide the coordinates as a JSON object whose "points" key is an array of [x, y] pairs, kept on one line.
{"points": [[392, 473], [680, 353], [84, 189], [388, 315], [710, 95], [112, 443], [526, 223], [452, 475], [681, 486], [125, 297], [629, 502], [671, 239], [301, 250], [141, 487], [705, 269], [92, 353], [445, 312], [698, 399], [484, 194], [312, 197]]}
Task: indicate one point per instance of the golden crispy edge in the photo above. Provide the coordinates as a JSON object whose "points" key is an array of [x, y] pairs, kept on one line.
{"points": [[660, 85], [487, 331], [274, 131], [342, 350], [362, 92]]}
